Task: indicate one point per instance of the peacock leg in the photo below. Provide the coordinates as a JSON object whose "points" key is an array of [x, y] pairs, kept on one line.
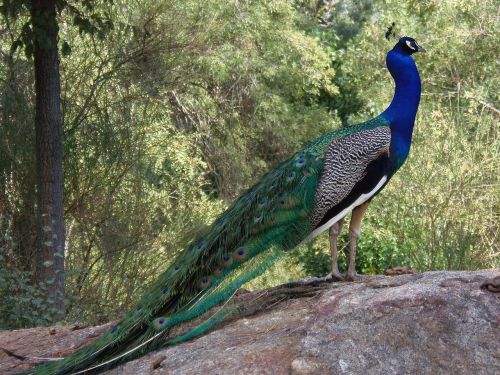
{"points": [[335, 275], [334, 234], [354, 232]]}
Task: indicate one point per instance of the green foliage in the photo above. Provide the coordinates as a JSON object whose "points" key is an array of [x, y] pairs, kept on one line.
{"points": [[89, 17], [185, 104], [21, 304]]}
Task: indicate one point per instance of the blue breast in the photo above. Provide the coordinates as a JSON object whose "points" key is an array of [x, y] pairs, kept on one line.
{"points": [[404, 105]]}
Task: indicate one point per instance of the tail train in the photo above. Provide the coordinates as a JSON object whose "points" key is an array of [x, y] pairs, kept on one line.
{"points": [[242, 243]]}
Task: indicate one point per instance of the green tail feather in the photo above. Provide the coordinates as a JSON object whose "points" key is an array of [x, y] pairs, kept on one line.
{"points": [[140, 332], [259, 265], [157, 338]]}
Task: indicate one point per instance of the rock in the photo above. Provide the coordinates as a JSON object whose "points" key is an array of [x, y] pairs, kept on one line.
{"points": [[399, 271], [429, 323]]}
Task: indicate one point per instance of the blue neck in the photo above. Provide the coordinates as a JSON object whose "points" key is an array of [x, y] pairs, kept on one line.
{"points": [[403, 108]]}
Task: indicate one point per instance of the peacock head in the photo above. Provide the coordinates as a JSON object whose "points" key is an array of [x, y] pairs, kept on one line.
{"points": [[408, 45]]}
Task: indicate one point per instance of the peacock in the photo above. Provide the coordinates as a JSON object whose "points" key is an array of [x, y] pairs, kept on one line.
{"points": [[309, 193]]}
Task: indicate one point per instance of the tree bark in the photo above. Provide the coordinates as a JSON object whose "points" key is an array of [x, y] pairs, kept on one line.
{"points": [[49, 270]]}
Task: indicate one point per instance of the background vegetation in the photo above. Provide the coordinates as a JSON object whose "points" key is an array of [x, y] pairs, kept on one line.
{"points": [[183, 104]]}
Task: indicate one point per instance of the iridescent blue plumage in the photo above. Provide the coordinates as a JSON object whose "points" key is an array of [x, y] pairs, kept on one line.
{"points": [[403, 108]]}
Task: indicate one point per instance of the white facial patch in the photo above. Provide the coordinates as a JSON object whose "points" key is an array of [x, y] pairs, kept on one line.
{"points": [[408, 43]]}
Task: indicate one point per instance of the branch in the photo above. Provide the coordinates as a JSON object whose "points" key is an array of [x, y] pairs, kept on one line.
{"points": [[488, 105], [101, 78]]}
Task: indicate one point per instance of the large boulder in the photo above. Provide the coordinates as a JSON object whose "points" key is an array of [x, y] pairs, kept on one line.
{"points": [[429, 323]]}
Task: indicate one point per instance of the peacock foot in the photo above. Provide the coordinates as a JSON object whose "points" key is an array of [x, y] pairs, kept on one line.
{"points": [[334, 276], [352, 276]]}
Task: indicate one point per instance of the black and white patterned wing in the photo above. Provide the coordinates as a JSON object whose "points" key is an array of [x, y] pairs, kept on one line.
{"points": [[347, 161]]}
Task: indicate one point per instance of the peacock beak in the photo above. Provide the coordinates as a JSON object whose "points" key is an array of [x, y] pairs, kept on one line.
{"points": [[419, 48]]}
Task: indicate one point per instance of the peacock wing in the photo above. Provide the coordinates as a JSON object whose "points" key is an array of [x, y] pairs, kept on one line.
{"points": [[354, 166]]}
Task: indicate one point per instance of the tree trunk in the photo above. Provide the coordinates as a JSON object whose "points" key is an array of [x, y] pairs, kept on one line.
{"points": [[48, 125]]}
